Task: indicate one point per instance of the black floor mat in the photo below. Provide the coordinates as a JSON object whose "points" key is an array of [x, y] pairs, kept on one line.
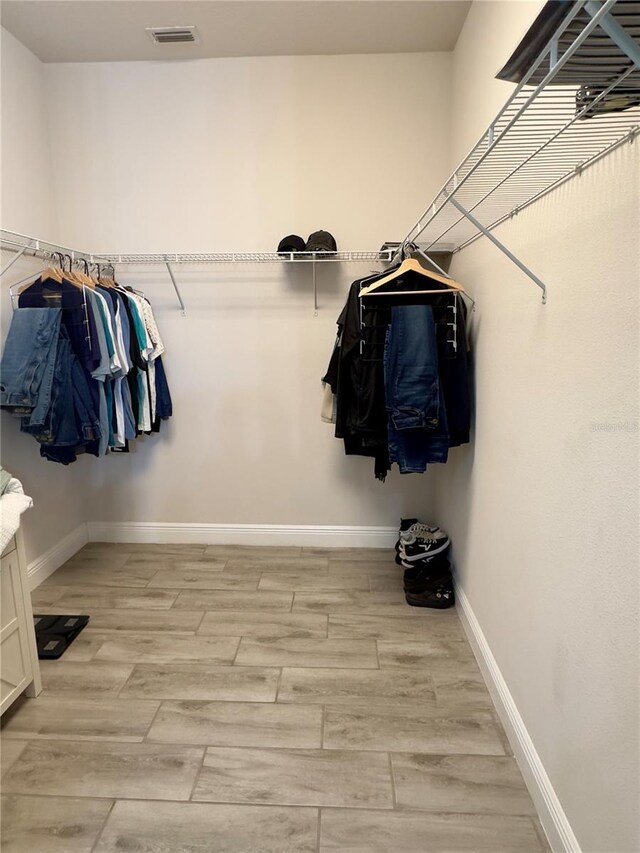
{"points": [[54, 634]]}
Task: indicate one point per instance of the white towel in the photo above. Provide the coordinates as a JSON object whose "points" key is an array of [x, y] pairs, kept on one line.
{"points": [[12, 504]]}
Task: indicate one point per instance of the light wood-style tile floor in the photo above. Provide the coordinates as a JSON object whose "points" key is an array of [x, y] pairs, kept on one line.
{"points": [[236, 699]]}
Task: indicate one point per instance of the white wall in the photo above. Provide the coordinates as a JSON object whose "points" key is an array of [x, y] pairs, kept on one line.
{"points": [[543, 506], [232, 154], [27, 206]]}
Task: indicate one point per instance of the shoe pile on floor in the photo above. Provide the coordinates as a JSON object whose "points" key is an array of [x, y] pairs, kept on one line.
{"points": [[422, 550]]}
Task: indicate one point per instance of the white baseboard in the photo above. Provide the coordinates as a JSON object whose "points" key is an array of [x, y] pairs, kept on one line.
{"points": [[46, 564], [242, 534], [552, 816]]}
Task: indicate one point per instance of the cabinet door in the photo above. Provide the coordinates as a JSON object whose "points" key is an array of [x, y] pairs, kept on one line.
{"points": [[15, 664]]}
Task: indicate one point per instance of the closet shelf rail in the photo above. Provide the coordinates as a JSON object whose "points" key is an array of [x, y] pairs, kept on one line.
{"points": [[22, 244], [576, 102]]}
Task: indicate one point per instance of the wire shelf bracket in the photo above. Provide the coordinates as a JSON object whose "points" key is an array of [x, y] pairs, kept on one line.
{"points": [[177, 289], [575, 103]]}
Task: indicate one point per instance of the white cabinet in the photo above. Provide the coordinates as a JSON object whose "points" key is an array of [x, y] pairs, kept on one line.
{"points": [[19, 667]]}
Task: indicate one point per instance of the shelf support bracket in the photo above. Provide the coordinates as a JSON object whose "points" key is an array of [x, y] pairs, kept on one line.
{"points": [[430, 260], [500, 246], [315, 287], [14, 260], [615, 32], [175, 287]]}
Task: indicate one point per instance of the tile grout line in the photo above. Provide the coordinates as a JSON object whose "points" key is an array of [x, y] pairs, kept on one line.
{"points": [[237, 652], [197, 775], [319, 829], [394, 795], [153, 719], [159, 801], [104, 824], [118, 694], [199, 625], [146, 585]]}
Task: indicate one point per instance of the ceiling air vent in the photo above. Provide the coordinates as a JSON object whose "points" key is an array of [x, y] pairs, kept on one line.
{"points": [[173, 35]]}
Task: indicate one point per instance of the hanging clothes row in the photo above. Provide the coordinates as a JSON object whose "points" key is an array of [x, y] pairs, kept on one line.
{"points": [[398, 382], [82, 364]]}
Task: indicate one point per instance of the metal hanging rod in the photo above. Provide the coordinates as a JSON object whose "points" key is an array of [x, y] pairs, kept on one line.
{"points": [[549, 130]]}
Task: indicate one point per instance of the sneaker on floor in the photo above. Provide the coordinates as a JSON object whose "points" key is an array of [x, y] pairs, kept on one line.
{"points": [[420, 530], [424, 548], [425, 582], [439, 598], [419, 578], [428, 584], [433, 535], [402, 560]]}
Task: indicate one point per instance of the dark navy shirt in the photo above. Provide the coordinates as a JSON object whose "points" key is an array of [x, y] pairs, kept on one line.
{"points": [[76, 317]]}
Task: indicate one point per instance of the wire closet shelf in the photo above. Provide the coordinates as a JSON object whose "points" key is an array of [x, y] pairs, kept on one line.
{"points": [[22, 244], [557, 122]]}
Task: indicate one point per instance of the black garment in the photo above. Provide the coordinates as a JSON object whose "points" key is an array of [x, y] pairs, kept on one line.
{"points": [[136, 359], [76, 318], [78, 321], [356, 369], [356, 376], [164, 405], [455, 377], [453, 362]]}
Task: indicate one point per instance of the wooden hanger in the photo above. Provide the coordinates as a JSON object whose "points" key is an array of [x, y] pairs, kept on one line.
{"points": [[84, 277], [70, 275], [50, 272], [106, 281], [53, 272], [412, 265]]}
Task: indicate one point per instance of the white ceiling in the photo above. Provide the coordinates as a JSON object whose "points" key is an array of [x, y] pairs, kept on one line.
{"points": [[112, 30]]}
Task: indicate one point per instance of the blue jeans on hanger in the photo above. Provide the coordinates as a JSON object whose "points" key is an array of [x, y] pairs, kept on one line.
{"points": [[28, 362], [71, 422], [60, 424], [417, 418]]}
